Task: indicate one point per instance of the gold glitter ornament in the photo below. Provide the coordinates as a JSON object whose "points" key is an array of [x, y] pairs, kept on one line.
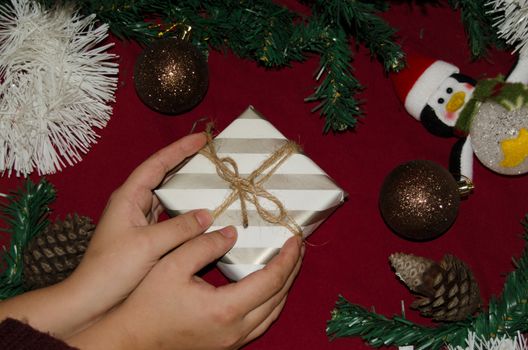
{"points": [[171, 76], [419, 200]]}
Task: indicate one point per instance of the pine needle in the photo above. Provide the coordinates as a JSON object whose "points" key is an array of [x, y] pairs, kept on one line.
{"points": [[25, 212]]}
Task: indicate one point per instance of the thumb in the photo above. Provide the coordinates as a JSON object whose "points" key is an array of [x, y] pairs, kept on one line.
{"points": [[203, 250]]}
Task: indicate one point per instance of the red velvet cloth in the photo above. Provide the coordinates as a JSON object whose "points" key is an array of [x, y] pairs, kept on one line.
{"points": [[349, 253]]}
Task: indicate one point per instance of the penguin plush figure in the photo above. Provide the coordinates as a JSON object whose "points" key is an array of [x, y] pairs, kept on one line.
{"points": [[443, 108], [434, 92], [447, 103]]}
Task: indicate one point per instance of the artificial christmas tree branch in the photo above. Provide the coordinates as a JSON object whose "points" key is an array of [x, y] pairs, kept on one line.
{"points": [[350, 320], [25, 212], [271, 35], [335, 94], [478, 24], [275, 36], [504, 316], [361, 21]]}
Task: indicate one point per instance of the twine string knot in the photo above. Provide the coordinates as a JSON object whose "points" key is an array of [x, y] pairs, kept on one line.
{"points": [[251, 188]]}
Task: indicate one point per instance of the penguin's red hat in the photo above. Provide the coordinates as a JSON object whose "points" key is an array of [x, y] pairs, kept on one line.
{"points": [[419, 80]]}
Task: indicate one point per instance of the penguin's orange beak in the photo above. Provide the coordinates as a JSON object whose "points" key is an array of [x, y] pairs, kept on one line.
{"points": [[456, 101]]}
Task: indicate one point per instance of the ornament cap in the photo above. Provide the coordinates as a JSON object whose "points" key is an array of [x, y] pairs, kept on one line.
{"points": [[181, 31], [186, 32], [465, 187]]}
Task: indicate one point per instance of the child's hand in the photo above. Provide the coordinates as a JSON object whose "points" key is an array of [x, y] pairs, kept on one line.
{"points": [[174, 309], [128, 241], [169, 306]]}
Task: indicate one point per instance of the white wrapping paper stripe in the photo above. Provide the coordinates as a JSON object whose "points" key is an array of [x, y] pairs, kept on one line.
{"points": [[188, 199], [276, 181], [247, 162], [304, 189], [266, 236], [228, 217]]}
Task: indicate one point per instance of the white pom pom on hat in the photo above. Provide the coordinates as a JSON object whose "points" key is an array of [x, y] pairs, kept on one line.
{"points": [[419, 80]]}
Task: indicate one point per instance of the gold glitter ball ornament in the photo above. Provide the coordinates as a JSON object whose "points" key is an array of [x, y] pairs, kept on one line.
{"points": [[171, 76], [419, 200]]}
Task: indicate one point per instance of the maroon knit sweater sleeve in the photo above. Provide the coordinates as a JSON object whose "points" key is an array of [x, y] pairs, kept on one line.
{"points": [[15, 335]]}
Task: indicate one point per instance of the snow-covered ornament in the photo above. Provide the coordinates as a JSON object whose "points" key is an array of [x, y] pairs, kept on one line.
{"points": [[499, 137], [55, 86]]}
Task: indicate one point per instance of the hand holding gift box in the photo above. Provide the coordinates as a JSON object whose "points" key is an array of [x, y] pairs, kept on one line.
{"points": [[252, 177]]}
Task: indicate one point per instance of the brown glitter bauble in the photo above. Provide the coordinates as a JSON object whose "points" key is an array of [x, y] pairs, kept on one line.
{"points": [[419, 200], [171, 76]]}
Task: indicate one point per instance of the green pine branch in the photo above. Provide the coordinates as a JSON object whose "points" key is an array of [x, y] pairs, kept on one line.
{"points": [[274, 36], [335, 95], [362, 21], [270, 34], [25, 213], [478, 24], [504, 316], [350, 320]]}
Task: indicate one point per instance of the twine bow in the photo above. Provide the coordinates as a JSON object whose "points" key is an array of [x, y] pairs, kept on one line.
{"points": [[250, 189]]}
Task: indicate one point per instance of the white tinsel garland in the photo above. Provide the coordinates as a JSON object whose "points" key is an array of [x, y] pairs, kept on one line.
{"points": [[501, 343], [512, 22], [474, 342], [55, 86]]}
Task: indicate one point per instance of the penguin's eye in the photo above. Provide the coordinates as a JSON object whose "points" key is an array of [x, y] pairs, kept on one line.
{"points": [[440, 100], [449, 90]]}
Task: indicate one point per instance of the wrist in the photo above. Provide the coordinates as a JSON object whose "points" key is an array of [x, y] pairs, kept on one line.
{"points": [[109, 332], [87, 301], [82, 301], [52, 309]]}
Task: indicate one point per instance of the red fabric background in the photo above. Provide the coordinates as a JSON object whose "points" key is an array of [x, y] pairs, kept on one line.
{"points": [[349, 252]]}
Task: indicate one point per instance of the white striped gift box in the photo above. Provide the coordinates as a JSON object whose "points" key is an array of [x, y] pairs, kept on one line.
{"points": [[306, 191]]}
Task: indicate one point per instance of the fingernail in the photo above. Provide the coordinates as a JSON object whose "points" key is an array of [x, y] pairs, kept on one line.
{"points": [[228, 232], [204, 218]]}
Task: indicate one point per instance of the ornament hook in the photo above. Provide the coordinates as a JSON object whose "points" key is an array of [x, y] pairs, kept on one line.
{"points": [[465, 186], [184, 30]]}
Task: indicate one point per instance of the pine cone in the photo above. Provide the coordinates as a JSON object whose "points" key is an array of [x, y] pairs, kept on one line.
{"points": [[446, 291], [53, 254]]}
